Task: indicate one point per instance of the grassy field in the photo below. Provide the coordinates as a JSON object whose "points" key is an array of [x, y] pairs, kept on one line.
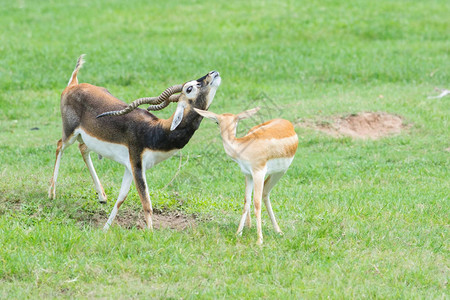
{"points": [[362, 218]]}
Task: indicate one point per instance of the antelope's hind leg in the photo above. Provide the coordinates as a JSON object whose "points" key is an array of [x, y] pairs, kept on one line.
{"points": [[87, 160], [258, 178], [60, 147], [269, 183]]}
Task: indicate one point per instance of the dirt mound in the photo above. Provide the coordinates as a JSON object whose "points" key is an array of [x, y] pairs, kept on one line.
{"points": [[364, 125], [131, 219]]}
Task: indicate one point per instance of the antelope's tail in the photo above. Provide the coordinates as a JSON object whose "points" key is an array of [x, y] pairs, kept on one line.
{"points": [[73, 79]]}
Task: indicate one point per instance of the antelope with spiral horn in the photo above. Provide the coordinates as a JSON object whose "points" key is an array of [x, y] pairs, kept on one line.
{"points": [[267, 150], [129, 135]]}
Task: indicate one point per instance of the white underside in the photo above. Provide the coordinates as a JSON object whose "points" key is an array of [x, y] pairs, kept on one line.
{"points": [[151, 157], [120, 153], [275, 165]]}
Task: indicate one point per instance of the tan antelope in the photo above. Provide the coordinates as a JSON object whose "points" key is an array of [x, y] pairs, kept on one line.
{"points": [[128, 135], [267, 149]]}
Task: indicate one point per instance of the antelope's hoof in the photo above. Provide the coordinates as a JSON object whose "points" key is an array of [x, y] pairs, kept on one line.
{"points": [[102, 198], [51, 194], [150, 227]]}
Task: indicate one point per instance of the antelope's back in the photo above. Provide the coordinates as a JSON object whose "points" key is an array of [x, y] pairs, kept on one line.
{"points": [[82, 103]]}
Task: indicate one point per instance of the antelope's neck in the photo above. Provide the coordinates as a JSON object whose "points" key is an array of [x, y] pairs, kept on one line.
{"points": [[181, 135], [230, 143]]}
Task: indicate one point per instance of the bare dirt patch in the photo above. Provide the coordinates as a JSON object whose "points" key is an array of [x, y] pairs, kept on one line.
{"points": [[363, 125], [132, 219]]}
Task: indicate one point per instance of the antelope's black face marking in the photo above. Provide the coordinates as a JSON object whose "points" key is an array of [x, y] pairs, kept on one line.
{"points": [[209, 79], [201, 79]]}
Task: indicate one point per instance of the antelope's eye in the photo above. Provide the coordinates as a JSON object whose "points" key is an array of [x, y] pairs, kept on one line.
{"points": [[189, 89]]}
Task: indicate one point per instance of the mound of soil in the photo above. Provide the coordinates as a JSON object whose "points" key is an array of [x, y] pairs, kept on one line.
{"points": [[131, 219], [364, 125]]}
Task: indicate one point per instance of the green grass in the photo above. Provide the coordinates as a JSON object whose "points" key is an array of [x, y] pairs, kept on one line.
{"points": [[362, 219]]}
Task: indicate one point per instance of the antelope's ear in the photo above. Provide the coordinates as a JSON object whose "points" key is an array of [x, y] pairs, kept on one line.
{"points": [[178, 115], [207, 114], [248, 113]]}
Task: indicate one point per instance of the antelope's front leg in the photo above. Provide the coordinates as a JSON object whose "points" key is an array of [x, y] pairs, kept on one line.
{"points": [[248, 200], [124, 189], [141, 186]]}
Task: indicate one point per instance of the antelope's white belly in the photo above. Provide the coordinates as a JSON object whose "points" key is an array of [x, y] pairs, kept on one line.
{"points": [[275, 165], [151, 157], [246, 167], [116, 152], [120, 154]]}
